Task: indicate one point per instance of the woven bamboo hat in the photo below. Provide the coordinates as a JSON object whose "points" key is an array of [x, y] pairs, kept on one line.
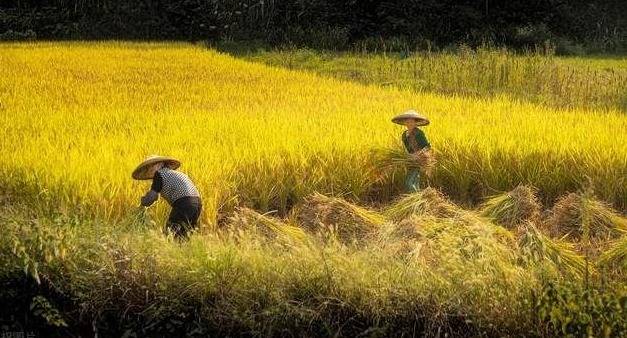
{"points": [[142, 171], [411, 114]]}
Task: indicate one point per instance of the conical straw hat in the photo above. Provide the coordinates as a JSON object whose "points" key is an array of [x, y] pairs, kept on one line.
{"points": [[411, 114], [142, 172]]}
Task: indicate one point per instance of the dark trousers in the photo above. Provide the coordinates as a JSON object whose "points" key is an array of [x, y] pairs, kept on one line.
{"points": [[184, 216]]}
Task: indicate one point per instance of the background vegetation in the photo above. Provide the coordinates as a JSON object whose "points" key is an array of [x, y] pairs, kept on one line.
{"points": [[538, 77], [574, 26]]}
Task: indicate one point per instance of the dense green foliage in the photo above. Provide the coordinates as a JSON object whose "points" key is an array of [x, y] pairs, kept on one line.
{"points": [[326, 23]]}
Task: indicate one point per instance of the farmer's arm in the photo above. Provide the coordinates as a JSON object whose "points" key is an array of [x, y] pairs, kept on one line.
{"points": [[422, 141], [153, 194], [405, 141]]}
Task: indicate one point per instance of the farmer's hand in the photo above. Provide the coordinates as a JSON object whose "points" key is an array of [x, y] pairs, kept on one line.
{"points": [[150, 198]]}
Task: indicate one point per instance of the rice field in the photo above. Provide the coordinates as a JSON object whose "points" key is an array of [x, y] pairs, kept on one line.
{"points": [[305, 229], [83, 115], [540, 78]]}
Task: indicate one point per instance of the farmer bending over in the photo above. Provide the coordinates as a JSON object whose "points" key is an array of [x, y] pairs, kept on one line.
{"points": [[176, 188], [416, 144]]}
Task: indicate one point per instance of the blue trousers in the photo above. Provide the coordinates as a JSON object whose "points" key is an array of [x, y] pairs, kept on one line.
{"points": [[412, 182]]}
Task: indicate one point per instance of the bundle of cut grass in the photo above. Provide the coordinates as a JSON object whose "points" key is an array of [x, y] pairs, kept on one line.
{"points": [[319, 213], [537, 247], [423, 203], [574, 214], [248, 220], [512, 208], [616, 255]]}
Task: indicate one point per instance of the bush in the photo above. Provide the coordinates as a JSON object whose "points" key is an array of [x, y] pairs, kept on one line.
{"points": [[573, 310], [11, 35], [328, 24]]}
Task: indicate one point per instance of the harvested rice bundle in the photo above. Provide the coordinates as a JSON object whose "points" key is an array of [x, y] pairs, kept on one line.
{"points": [[392, 158], [513, 208], [140, 218], [400, 239], [537, 247], [458, 240], [423, 203], [406, 230], [246, 219], [616, 255], [574, 212], [320, 213]]}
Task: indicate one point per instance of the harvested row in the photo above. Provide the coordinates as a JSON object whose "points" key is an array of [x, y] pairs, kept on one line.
{"points": [[513, 219]]}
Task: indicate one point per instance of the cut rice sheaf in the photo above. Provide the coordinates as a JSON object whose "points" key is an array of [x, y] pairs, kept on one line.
{"points": [[427, 202], [574, 215], [616, 255], [320, 214], [246, 220], [513, 208], [536, 247]]}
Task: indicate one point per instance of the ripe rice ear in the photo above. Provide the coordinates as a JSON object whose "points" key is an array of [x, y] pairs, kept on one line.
{"points": [[513, 208], [322, 214]]}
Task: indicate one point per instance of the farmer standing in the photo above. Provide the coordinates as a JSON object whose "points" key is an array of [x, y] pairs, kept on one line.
{"points": [[416, 144], [176, 188]]}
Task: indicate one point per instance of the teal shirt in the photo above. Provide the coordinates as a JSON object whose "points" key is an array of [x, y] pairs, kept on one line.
{"points": [[421, 140]]}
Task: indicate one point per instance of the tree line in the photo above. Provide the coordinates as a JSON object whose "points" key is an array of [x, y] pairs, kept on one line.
{"points": [[333, 24]]}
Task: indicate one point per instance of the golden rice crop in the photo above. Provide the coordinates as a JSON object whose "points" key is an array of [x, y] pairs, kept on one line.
{"points": [[76, 118]]}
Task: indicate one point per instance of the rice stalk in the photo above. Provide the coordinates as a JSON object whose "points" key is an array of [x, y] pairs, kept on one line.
{"points": [[537, 247], [388, 159], [615, 255]]}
